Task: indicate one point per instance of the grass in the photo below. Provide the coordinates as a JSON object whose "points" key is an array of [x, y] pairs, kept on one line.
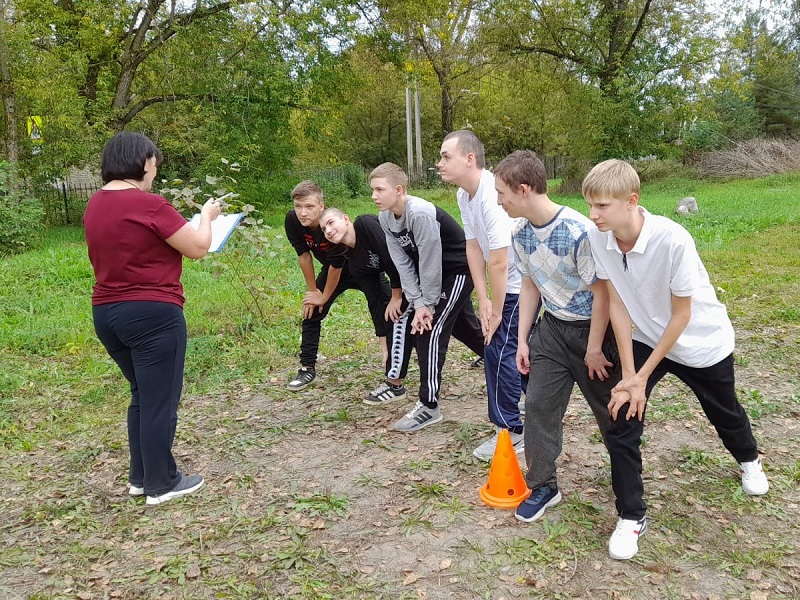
{"points": [[279, 520]]}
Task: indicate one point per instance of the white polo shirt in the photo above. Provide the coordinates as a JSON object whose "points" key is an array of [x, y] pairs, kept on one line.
{"points": [[663, 262], [486, 222]]}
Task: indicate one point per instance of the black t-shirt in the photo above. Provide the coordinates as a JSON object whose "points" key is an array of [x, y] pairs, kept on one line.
{"points": [[304, 239], [370, 256]]}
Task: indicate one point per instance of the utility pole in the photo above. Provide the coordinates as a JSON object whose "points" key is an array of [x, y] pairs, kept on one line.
{"points": [[409, 135], [418, 126]]}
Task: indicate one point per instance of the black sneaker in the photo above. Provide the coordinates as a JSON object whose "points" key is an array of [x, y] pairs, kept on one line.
{"points": [[533, 507], [304, 378], [186, 485], [385, 393], [477, 363]]}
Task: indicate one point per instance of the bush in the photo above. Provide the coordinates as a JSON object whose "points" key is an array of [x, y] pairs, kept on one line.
{"points": [[658, 169], [22, 217], [750, 159], [573, 176], [275, 189]]}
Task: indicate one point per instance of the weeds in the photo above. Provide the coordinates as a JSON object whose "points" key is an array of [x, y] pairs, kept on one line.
{"points": [[323, 504], [279, 516]]}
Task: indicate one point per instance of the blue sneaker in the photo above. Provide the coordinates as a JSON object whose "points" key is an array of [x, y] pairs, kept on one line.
{"points": [[533, 507]]}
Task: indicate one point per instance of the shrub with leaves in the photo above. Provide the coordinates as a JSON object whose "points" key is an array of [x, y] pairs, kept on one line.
{"points": [[22, 217], [248, 243]]}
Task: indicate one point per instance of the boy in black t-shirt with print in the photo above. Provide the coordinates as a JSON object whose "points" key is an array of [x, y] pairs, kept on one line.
{"points": [[306, 237]]}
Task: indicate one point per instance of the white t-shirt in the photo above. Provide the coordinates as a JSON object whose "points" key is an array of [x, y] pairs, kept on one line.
{"points": [[486, 222], [664, 262]]}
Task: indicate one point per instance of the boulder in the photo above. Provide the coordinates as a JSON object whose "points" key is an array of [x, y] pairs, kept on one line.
{"points": [[686, 206]]}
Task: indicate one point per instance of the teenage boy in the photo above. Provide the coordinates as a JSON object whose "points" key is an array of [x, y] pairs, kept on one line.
{"points": [[306, 237], [487, 229], [429, 250], [572, 343], [369, 263], [658, 284]]}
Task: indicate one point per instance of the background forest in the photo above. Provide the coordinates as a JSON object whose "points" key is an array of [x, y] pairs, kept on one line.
{"points": [[277, 85]]}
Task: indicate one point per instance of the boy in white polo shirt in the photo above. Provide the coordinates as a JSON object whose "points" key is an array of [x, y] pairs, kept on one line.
{"points": [[488, 228], [658, 284]]}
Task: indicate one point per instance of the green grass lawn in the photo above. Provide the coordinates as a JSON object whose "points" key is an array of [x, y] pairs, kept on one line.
{"points": [[62, 404]]}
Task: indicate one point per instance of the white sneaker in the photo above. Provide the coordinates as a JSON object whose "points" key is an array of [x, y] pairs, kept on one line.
{"points": [[624, 542], [385, 393], [754, 481], [487, 449], [135, 490]]}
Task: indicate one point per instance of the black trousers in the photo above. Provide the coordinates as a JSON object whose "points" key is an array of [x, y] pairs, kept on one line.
{"points": [[147, 340], [454, 316], [377, 291], [714, 387]]}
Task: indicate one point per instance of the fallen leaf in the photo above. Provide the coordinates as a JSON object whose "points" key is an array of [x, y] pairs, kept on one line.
{"points": [[445, 564], [409, 577], [193, 571]]}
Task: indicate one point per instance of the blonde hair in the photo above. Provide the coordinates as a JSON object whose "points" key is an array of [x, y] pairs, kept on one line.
{"points": [[614, 178], [391, 173], [307, 189]]}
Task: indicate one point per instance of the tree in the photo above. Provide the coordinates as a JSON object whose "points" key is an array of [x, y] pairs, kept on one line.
{"points": [[7, 87], [443, 35], [638, 54]]}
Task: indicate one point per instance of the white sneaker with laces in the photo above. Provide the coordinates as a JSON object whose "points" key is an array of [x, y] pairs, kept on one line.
{"points": [[385, 393], [624, 542], [754, 481], [487, 449]]}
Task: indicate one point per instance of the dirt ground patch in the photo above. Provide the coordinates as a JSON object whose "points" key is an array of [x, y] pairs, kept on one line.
{"points": [[312, 495]]}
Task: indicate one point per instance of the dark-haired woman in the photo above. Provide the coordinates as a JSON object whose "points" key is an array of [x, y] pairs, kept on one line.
{"points": [[136, 243]]}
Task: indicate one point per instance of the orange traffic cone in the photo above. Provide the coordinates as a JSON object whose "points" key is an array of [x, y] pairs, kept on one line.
{"points": [[506, 487]]}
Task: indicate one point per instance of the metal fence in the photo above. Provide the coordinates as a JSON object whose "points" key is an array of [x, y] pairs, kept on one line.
{"points": [[64, 202]]}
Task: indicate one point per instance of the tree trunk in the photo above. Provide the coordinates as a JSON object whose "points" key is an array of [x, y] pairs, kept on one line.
{"points": [[448, 108], [8, 93]]}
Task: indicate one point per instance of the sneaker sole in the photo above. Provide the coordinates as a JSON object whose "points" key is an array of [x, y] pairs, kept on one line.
{"points": [[487, 458], [292, 388], [153, 500], [418, 427], [628, 557], [482, 457], [555, 500], [381, 403]]}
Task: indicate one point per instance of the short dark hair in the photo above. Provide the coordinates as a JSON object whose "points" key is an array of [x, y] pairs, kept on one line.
{"points": [[469, 143], [307, 189], [125, 154], [523, 166]]}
